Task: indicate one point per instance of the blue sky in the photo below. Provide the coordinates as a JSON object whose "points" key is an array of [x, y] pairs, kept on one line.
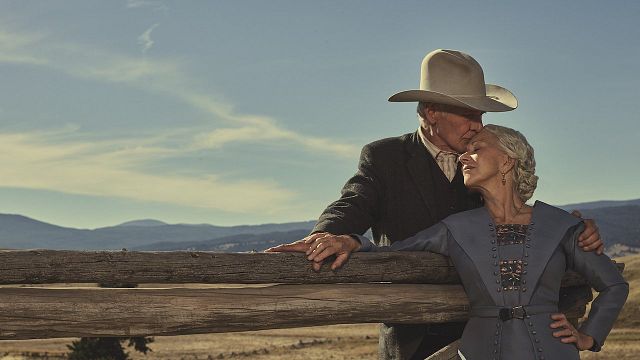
{"points": [[246, 112]]}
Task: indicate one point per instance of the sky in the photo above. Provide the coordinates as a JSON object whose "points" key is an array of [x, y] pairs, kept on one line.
{"points": [[250, 112]]}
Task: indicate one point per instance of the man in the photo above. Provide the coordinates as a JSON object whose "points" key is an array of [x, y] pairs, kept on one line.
{"points": [[408, 183]]}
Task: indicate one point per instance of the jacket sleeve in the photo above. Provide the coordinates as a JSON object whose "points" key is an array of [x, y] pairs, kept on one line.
{"points": [[433, 239], [601, 273], [358, 207]]}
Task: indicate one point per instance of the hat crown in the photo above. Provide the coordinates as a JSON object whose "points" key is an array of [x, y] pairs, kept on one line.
{"points": [[452, 72]]}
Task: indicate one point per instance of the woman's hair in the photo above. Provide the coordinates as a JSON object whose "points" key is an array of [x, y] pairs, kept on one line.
{"points": [[517, 147]]}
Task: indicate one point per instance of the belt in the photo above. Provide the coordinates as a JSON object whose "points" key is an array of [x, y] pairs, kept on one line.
{"points": [[508, 313]]}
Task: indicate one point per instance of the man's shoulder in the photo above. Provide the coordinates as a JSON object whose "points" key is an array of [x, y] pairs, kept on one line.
{"points": [[391, 142]]}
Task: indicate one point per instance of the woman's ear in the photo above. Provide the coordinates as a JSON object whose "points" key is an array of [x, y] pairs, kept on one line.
{"points": [[508, 164]]}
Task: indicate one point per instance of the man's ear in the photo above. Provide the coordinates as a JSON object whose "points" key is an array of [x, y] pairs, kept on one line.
{"points": [[431, 115]]}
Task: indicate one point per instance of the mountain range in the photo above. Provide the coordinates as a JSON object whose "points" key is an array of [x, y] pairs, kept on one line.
{"points": [[618, 221]]}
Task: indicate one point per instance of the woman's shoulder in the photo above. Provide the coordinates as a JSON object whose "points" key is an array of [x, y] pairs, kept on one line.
{"points": [[468, 219], [546, 214]]}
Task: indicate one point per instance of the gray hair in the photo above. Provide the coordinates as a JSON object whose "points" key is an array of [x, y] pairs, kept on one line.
{"points": [[518, 148], [421, 109]]}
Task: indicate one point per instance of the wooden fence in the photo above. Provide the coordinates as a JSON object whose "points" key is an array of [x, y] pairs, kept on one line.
{"points": [[279, 291]]}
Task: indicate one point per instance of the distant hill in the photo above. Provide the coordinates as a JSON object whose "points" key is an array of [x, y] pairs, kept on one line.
{"points": [[600, 204], [21, 232], [619, 226], [145, 222], [233, 243]]}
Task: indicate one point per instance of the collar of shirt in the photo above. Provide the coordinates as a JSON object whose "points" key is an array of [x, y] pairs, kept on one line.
{"points": [[447, 161]]}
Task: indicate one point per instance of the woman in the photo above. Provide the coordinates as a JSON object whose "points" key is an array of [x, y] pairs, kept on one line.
{"points": [[511, 258]]}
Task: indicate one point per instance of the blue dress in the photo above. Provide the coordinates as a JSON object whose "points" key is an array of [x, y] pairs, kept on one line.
{"points": [[513, 280]]}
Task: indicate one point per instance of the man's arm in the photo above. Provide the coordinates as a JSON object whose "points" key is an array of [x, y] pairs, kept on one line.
{"points": [[359, 206], [589, 239], [354, 213]]}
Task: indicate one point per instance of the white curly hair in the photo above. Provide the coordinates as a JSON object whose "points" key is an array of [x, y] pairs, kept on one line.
{"points": [[516, 146]]}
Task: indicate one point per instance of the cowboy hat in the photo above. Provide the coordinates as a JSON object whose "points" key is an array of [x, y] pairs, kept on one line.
{"points": [[454, 78]]}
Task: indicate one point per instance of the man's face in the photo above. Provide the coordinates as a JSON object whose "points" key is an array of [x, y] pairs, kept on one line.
{"points": [[454, 127]]}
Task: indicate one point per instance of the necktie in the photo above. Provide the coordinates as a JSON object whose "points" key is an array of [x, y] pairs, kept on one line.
{"points": [[448, 162]]}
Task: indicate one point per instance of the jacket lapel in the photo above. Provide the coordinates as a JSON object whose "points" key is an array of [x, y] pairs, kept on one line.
{"points": [[547, 229], [472, 230], [420, 171]]}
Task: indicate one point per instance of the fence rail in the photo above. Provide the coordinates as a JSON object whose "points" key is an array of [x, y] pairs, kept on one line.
{"points": [[372, 287], [137, 267]]}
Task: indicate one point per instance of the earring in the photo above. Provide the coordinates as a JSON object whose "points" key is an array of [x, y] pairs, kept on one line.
{"points": [[430, 130], [504, 180]]}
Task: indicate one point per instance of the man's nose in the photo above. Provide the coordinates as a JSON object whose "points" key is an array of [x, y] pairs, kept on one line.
{"points": [[477, 124], [464, 158]]}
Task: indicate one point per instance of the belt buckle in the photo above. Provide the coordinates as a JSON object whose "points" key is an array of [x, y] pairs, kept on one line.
{"points": [[518, 312]]}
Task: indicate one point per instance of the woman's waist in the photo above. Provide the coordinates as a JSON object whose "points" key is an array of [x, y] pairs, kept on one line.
{"points": [[505, 313]]}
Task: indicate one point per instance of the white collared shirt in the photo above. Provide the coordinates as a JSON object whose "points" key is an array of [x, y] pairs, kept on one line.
{"points": [[447, 161]]}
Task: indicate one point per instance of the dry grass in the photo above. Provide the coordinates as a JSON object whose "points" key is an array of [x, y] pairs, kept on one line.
{"points": [[630, 315], [339, 342]]}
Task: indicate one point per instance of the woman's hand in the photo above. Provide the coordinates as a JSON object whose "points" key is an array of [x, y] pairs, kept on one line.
{"points": [[319, 246], [569, 334]]}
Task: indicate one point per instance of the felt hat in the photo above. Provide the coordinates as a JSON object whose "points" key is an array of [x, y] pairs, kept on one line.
{"points": [[452, 77]]}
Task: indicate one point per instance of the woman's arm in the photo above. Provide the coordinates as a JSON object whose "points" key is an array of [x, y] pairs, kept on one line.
{"points": [[432, 239], [319, 248], [601, 273]]}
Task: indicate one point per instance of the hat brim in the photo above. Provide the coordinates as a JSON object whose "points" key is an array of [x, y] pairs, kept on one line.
{"points": [[498, 99]]}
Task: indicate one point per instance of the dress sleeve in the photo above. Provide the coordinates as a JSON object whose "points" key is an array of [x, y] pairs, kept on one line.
{"points": [[601, 273], [433, 239]]}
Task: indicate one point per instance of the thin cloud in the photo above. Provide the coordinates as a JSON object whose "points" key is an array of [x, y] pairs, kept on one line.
{"points": [[167, 78], [145, 39], [156, 5], [114, 168], [111, 169], [13, 48]]}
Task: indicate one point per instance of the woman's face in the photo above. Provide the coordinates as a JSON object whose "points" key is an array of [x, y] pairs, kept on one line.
{"points": [[483, 163]]}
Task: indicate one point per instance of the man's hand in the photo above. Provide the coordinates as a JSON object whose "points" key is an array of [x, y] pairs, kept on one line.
{"points": [[319, 246], [300, 245], [590, 239], [324, 246]]}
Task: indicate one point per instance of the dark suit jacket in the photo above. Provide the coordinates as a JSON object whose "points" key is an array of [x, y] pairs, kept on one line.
{"points": [[393, 193]]}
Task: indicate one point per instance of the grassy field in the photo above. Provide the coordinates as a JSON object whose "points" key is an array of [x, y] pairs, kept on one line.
{"points": [[339, 342], [325, 342]]}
